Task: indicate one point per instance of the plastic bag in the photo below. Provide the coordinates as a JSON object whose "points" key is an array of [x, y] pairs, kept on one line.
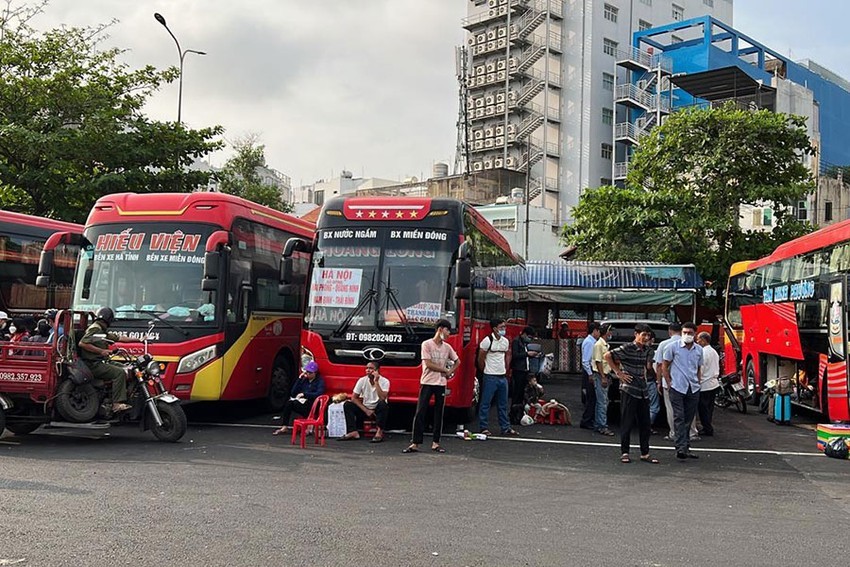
{"points": [[547, 364], [836, 448], [526, 420]]}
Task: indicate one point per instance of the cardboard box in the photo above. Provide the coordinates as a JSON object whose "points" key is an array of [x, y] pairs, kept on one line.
{"points": [[827, 431]]}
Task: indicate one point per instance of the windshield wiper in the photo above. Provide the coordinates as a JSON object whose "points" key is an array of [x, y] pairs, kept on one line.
{"points": [[367, 298], [392, 298], [156, 315]]}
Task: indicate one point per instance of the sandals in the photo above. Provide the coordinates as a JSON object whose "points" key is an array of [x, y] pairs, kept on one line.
{"points": [[649, 459], [438, 449], [625, 458], [377, 440], [283, 430], [510, 433], [410, 449], [485, 432]]}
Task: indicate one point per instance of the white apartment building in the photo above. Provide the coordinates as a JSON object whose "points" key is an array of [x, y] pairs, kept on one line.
{"points": [[540, 86]]}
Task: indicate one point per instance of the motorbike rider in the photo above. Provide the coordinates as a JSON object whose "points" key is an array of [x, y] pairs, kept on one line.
{"points": [[94, 350]]}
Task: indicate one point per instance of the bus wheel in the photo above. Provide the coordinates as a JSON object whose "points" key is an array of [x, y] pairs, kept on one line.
{"points": [[751, 383], [22, 427], [279, 388], [2, 420]]}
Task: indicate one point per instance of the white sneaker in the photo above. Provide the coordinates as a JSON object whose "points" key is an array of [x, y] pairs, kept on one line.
{"points": [[668, 438]]}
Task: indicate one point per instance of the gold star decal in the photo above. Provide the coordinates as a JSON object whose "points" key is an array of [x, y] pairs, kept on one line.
{"points": [[413, 214], [399, 214], [371, 214]]}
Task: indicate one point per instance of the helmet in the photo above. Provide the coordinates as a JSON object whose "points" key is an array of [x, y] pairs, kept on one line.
{"points": [[105, 314], [50, 314], [311, 366], [43, 328]]}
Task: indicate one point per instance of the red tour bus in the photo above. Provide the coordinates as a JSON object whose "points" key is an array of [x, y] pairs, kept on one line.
{"points": [[793, 315], [385, 269], [22, 238], [206, 268]]}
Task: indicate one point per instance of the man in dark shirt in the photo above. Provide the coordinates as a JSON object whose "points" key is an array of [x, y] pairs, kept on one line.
{"points": [[630, 363], [305, 390], [519, 372]]}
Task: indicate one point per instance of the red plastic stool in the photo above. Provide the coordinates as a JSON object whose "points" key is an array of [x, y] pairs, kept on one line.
{"points": [[557, 416], [369, 428]]}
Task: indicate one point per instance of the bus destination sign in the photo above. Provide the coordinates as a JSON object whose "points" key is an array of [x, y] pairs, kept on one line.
{"points": [[798, 291]]}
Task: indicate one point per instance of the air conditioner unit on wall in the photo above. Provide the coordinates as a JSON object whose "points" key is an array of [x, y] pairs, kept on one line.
{"points": [[503, 32], [500, 108], [493, 3], [471, 40], [510, 162], [479, 112], [500, 97], [480, 69], [500, 140], [488, 164], [499, 130], [488, 142], [500, 65], [511, 128], [491, 77], [477, 166], [479, 102], [491, 45], [497, 163], [479, 134], [489, 99], [481, 38], [491, 35], [501, 76], [501, 43], [488, 132], [491, 67], [479, 144]]}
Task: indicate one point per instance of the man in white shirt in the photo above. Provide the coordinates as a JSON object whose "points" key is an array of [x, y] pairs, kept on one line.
{"points": [[369, 400], [493, 353], [710, 383]]}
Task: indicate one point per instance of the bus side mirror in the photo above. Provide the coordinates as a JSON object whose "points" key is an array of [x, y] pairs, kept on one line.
{"points": [[463, 271], [462, 293], [212, 262], [45, 268], [294, 265]]}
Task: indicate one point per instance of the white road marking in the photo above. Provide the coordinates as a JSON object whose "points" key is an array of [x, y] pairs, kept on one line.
{"points": [[577, 443]]}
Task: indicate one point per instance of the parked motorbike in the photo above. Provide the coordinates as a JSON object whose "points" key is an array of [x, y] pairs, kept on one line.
{"points": [[732, 392], [81, 399]]}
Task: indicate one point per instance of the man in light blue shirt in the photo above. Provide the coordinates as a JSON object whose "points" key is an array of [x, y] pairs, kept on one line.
{"points": [[588, 418], [682, 368]]}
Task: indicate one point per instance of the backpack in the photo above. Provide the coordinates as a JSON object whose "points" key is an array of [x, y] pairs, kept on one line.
{"points": [[836, 448]]}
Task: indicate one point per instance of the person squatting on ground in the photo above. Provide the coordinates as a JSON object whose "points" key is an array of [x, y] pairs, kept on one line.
{"points": [[307, 387], [630, 363], [588, 417], [601, 373], [520, 362], [439, 361], [682, 372], [675, 332], [493, 354], [710, 384], [369, 399], [94, 350]]}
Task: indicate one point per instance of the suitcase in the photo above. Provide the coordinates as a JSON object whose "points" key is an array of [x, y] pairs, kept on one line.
{"points": [[782, 409]]}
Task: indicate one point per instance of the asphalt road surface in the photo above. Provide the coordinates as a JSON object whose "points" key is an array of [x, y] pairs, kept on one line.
{"points": [[232, 494]]}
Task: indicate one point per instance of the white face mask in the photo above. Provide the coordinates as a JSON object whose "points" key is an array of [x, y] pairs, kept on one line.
{"points": [[687, 339], [12, 329]]}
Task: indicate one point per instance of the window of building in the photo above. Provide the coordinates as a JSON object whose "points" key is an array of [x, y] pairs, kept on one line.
{"points": [[609, 47], [709, 3], [827, 211], [604, 182], [608, 116], [505, 224], [646, 2], [608, 81], [802, 213], [611, 13], [644, 25], [767, 217], [607, 151], [678, 13]]}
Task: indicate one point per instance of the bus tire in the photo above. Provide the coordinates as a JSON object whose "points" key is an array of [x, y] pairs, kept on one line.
{"points": [[77, 403], [2, 420], [755, 396], [22, 427], [280, 386]]}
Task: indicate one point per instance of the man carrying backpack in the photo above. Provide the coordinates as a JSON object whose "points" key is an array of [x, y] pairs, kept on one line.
{"points": [[493, 358]]}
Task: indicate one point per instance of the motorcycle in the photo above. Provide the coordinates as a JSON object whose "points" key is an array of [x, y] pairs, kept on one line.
{"points": [[732, 392], [80, 399]]}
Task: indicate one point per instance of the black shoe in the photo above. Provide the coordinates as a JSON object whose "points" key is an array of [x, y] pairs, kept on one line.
{"points": [[587, 427], [692, 455], [681, 456]]}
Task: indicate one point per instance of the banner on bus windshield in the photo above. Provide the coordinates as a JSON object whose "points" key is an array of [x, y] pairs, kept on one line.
{"points": [[171, 247], [837, 325], [335, 287]]}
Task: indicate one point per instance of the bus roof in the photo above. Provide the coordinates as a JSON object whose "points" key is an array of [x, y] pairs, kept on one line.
{"points": [[206, 207], [41, 223], [739, 267], [827, 236], [412, 209]]}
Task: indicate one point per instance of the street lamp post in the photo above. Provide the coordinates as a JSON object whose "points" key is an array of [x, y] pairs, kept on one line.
{"points": [[182, 53]]}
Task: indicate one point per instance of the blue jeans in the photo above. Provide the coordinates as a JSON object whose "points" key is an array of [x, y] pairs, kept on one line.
{"points": [[494, 386], [601, 403], [654, 402]]}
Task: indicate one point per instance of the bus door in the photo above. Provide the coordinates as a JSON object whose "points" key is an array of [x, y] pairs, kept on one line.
{"points": [[238, 379], [835, 393]]}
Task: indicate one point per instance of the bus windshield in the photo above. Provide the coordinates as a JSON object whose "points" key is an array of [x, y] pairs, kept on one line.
{"points": [[146, 269], [383, 277]]}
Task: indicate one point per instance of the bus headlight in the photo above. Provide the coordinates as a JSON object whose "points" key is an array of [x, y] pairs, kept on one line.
{"points": [[192, 362]]}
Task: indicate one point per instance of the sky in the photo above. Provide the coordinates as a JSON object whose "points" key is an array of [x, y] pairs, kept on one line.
{"points": [[363, 85]]}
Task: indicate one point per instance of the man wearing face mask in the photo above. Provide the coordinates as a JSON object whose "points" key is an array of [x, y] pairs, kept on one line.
{"points": [[682, 372], [493, 357], [439, 361], [4, 326]]}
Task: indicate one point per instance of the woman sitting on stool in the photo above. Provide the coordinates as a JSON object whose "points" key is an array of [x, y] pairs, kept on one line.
{"points": [[305, 390]]}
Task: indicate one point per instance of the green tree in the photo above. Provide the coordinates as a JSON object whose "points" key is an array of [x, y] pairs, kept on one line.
{"points": [[72, 127], [240, 175], [686, 184]]}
